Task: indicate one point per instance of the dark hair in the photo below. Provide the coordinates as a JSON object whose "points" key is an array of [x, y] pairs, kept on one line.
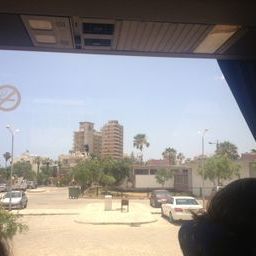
{"points": [[228, 226], [234, 206], [4, 247]]}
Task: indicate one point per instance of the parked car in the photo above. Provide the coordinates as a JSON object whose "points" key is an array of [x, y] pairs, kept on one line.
{"points": [[20, 185], [19, 200], [217, 188], [158, 197], [180, 208], [31, 184], [3, 187]]}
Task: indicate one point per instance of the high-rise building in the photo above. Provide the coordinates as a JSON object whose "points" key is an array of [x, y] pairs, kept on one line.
{"points": [[83, 139], [108, 142], [97, 143], [112, 140]]}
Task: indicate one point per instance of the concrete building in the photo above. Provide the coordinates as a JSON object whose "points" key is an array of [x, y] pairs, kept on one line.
{"points": [[248, 169], [97, 143], [158, 162], [71, 160], [144, 177], [186, 177], [108, 142], [112, 140], [84, 138], [32, 159]]}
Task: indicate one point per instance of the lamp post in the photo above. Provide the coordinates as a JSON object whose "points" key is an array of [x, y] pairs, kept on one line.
{"points": [[202, 164], [10, 188], [215, 143]]}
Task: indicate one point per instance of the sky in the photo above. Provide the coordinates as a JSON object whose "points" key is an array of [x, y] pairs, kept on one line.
{"points": [[169, 99]]}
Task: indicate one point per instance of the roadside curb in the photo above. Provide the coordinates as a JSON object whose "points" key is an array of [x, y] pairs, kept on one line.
{"points": [[115, 223], [42, 212], [36, 191], [45, 214]]}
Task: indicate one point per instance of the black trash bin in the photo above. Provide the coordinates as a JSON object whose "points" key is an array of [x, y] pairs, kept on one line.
{"points": [[74, 192]]}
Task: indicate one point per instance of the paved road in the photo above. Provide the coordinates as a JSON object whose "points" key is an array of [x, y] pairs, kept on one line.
{"points": [[57, 198], [60, 235]]}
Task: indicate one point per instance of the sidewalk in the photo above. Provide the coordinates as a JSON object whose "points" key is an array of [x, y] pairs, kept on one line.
{"points": [[94, 213]]}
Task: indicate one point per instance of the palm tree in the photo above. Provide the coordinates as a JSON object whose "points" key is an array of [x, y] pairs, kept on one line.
{"points": [[170, 154], [139, 141], [180, 157], [47, 161], [38, 162], [7, 156]]}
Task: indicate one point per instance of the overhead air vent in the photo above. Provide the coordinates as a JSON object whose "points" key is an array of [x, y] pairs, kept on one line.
{"points": [[52, 32], [40, 24], [97, 42], [98, 28], [92, 34], [46, 39]]}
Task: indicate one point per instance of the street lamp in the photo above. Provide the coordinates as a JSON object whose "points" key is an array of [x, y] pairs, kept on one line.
{"points": [[215, 143], [202, 164], [13, 132]]}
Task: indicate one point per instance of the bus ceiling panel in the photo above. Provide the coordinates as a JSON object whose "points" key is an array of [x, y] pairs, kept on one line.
{"points": [[246, 46], [181, 11], [13, 31]]}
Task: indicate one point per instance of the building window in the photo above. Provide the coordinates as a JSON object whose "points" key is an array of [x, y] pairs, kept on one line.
{"points": [[153, 171], [141, 172]]}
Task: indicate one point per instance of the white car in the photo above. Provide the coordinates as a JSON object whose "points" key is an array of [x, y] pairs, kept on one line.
{"points": [[18, 200], [180, 208]]}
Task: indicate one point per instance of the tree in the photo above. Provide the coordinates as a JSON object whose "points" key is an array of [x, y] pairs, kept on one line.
{"points": [[101, 172], [7, 156], [219, 168], [132, 157], [163, 175], [5, 174], [38, 162], [139, 141], [44, 175], [253, 150], [118, 169], [228, 149], [23, 169], [10, 224], [180, 157], [88, 173], [170, 154]]}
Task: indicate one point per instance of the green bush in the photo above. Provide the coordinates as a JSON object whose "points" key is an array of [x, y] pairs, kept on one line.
{"points": [[10, 224]]}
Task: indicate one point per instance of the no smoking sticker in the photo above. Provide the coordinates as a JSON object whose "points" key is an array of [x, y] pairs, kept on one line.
{"points": [[9, 98]]}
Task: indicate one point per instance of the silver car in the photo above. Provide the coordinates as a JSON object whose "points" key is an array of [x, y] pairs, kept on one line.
{"points": [[3, 187], [18, 199]]}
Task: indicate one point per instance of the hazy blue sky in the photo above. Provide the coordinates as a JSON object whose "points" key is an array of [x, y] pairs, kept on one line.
{"points": [[168, 99]]}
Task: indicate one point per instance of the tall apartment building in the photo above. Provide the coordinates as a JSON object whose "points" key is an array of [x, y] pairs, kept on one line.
{"points": [[112, 140], [97, 143], [108, 142], [84, 137]]}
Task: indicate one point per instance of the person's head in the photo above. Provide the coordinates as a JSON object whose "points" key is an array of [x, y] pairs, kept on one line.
{"points": [[227, 227], [234, 206], [4, 247]]}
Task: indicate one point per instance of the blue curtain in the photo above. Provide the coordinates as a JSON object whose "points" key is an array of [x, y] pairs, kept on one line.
{"points": [[241, 78]]}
